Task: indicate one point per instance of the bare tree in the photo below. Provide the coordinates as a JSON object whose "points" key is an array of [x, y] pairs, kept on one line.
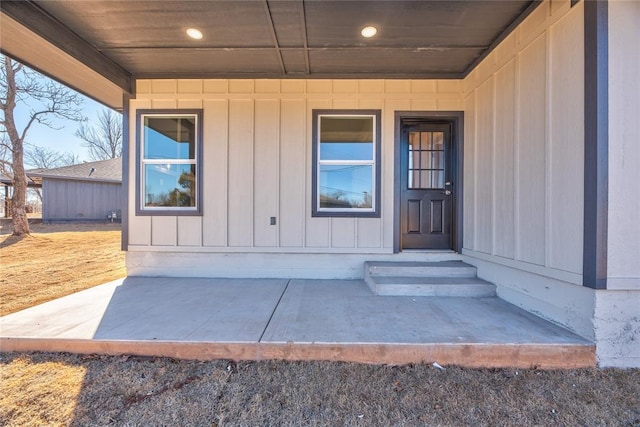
{"points": [[104, 141], [46, 100], [42, 157], [5, 154], [46, 158]]}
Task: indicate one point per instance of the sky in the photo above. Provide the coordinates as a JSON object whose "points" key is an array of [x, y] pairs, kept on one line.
{"points": [[61, 139]]}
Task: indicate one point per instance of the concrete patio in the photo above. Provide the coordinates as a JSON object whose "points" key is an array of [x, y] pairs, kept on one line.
{"points": [[255, 319]]}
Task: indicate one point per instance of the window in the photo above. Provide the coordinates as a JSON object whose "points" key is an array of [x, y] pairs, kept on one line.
{"points": [[346, 163], [426, 160], [169, 147]]}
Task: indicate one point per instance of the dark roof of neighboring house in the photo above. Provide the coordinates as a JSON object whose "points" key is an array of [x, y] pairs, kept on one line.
{"points": [[103, 170]]}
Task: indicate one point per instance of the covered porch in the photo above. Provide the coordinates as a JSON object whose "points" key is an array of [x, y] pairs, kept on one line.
{"points": [[291, 319], [544, 198]]}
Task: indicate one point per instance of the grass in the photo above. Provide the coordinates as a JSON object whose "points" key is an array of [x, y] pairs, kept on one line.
{"points": [[52, 389], [61, 389], [57, 260]]}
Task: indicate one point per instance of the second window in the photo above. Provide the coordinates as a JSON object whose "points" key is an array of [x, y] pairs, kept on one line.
{"points": [[346, 151]]}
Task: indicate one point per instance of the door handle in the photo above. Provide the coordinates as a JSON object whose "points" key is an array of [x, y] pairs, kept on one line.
{"points": [[447, 192]]}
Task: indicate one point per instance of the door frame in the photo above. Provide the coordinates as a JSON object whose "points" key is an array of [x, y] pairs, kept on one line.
{"points": [[456, 119]]}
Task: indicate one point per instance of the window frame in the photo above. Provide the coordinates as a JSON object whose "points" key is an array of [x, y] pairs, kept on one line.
{"points": [[141, 209], [374, 211]]}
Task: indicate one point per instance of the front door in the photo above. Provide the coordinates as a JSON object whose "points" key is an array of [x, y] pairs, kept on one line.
{"points": [[426, 185]]}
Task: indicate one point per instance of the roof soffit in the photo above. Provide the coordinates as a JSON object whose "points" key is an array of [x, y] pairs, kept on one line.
{"points": [[283, 39]]}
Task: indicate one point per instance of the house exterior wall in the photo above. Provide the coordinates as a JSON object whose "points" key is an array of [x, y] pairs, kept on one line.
{"points": [[73, 200], [624, 146], [257, 164], [523, 228], [524, 167], [523, 177], [617, 309]]}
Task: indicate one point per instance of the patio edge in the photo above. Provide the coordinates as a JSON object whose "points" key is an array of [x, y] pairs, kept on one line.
{"points": [[539, 356]]}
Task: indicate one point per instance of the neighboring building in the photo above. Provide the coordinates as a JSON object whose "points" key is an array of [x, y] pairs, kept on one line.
{"points": [[5, 183], [285, 145], [84, 192], [6, 192], [4, 198]]}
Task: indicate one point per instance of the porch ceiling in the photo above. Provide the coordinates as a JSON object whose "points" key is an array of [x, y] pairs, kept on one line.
{"points": [[270, 38]]}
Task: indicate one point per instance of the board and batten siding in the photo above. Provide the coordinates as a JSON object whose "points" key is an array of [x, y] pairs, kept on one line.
{"points": [[524, 147], [617, 323], [623, 248], [524, 167], [257, 163], [75, 200]]}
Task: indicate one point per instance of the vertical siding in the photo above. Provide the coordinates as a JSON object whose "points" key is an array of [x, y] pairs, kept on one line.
{"points": [[531, 153], [69, 200], [257, 161], [189, 231], [623, 250], [484, 167], [503, 160], [566, 144], [241, 172], [214, 172], [266, 179], [469, 201], [164, 230], [293, 203], [524, 144]]}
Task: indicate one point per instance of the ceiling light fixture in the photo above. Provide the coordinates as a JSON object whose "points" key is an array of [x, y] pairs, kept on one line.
{"points": [[194, 33], [369, 31]]}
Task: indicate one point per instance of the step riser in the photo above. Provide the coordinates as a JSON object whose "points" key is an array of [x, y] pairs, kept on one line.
{"points": [[457, 290], [426, 257], [422, 271], [466, 291]]}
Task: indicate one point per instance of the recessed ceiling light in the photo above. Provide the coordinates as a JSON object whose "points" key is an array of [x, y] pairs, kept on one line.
{"points": [[369, 32], [194, 33]]}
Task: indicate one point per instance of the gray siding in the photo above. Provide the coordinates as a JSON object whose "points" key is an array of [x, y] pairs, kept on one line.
{"points": [[524, 147], [71, 200], [256, 163]]}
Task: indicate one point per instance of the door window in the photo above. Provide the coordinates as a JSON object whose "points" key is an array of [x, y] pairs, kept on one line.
{"points": [[426, 160]]}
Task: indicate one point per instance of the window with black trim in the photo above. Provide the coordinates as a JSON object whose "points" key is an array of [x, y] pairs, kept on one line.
{"points": [[346, 163], [169, 147]]}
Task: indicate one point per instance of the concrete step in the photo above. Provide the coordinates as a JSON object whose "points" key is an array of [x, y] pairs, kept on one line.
{"points": [[444, 278], [471, 287], [419, 269]]}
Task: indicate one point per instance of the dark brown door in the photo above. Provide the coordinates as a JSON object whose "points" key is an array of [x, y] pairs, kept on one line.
{"points": [[426, 186]]}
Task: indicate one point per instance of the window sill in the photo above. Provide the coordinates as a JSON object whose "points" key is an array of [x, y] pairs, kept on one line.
{"points": [[168, 212], [322, 214]]}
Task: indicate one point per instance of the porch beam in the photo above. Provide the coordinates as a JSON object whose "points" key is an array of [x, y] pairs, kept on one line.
{"points": [[124, 210], [274, 36], [305, 39], [596, 143], [41, 23]]}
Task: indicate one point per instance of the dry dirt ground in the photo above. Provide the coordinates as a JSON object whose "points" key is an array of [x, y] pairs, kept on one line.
{"points": [[56, 260], [62, 389], [47, 389]]}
